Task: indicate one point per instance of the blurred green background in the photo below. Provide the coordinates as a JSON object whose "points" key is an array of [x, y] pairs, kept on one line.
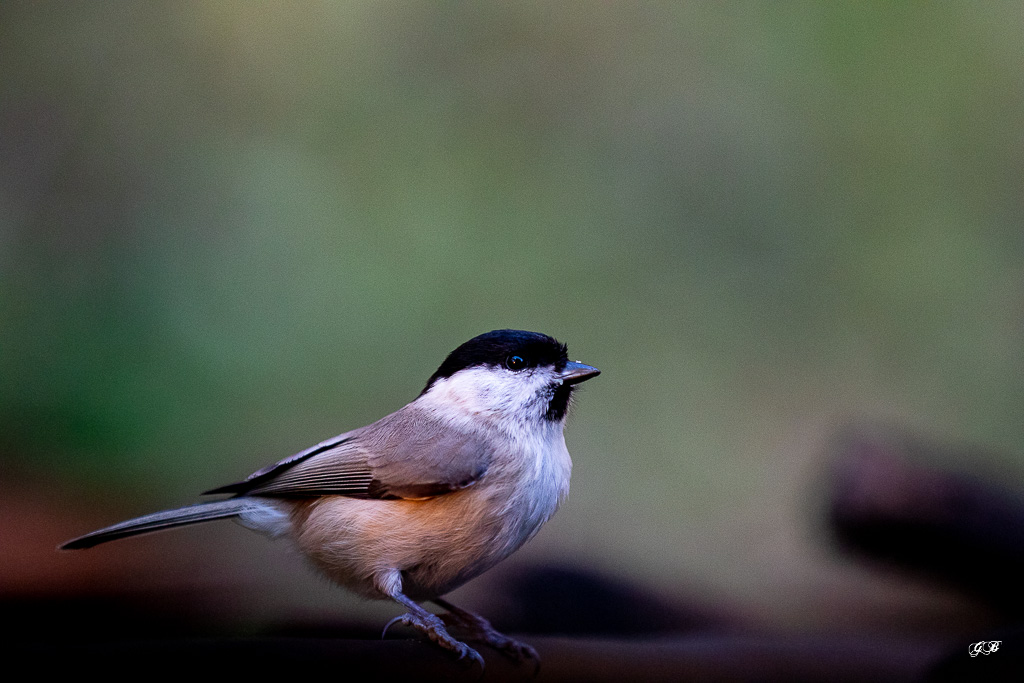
{"points": [[230, 230]]}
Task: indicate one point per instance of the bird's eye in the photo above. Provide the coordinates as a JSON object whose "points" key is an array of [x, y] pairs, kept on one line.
{"points": [[515, 363]]}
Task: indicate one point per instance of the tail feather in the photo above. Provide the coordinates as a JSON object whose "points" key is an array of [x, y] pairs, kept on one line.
{"points": [[167, 519]]}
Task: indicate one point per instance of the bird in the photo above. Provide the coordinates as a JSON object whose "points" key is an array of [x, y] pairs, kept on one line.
{"points": [[414, 505]]}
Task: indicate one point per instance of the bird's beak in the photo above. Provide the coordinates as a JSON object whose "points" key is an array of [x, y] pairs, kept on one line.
{"points": [[574, 372]]}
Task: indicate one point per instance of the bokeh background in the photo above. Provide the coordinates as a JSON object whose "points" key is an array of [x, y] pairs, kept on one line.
{"points": [[230, 230]]}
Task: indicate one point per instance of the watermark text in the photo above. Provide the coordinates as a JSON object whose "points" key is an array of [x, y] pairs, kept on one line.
{"points": [[984, 647]]}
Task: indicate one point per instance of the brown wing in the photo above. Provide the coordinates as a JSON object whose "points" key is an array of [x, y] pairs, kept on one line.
{"points": [[404, 455]]}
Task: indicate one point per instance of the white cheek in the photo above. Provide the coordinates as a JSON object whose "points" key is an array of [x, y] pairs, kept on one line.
{"points": [[493, 392]]}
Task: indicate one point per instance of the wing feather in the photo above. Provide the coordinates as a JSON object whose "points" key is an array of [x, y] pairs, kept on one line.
{"points": [[404, 455]]}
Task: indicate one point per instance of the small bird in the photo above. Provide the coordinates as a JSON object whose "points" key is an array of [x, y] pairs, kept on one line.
{"points": [[423, 500]]}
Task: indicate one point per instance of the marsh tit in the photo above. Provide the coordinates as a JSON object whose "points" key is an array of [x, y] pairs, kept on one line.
{"points": [[423, 500]]}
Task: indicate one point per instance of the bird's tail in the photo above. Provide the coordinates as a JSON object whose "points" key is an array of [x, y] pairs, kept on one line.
{"points": [[245, 508]]}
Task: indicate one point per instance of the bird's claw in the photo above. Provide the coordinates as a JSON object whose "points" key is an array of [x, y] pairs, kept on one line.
{"points": [[433, 627], [391, 623], [478, 629]]}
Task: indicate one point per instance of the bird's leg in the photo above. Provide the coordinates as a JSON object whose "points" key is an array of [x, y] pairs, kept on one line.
{"points": [[479, 629], [424, 621]]}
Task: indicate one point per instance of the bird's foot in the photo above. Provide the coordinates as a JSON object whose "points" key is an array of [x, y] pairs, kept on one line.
{"points": [[433, 627], [478, 629]]}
